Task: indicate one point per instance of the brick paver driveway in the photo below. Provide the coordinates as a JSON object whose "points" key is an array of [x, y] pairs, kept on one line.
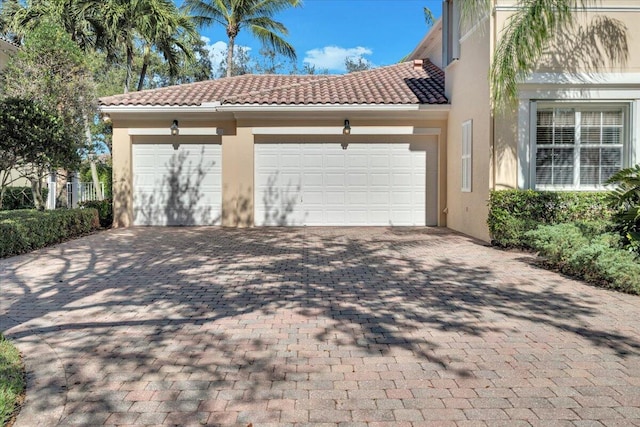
{"points": [[352, 326]]}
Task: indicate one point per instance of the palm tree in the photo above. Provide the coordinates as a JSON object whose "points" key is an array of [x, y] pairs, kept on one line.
{"points": [[253, 14], [78, 22], [117, 27], [529, 31], [156, 23], [171, 38]]}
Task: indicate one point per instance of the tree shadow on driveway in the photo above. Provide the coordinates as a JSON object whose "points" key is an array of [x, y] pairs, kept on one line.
{"points": [[217, 322]]}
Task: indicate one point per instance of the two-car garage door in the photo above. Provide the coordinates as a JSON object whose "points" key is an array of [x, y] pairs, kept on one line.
{"points": [[377, 184]]}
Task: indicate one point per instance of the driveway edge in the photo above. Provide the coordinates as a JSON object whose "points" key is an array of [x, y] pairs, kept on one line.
{"points": [[46, 389]]}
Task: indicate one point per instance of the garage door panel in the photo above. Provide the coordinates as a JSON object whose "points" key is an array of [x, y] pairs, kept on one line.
{"points": [[379, 217], [289, 179], [403, 160], [379, 198], [379, 179], [313, 197], [358, 162], [334, 179], [367, 184], [335, 197], [334, 160], [355, 179], [403, 180], [176, 187], [379, 161], [313, 179], [402, 217]]}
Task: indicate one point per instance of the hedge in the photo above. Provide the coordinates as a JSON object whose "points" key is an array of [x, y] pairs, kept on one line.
{"points": [[512, 213], [26, 230], [582, 250], [104, 208], [20, 198]]}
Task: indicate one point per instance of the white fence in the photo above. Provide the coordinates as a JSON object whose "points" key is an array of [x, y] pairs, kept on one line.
{"points": [[86, 192]]}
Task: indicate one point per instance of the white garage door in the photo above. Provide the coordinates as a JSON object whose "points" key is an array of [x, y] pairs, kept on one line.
{"points": [[367, 184], [177, 187]]}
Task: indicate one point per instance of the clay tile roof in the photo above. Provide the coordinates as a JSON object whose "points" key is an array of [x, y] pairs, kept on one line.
{"points": [[394, 84]]}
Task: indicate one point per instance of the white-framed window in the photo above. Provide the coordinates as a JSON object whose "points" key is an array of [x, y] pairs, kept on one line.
{"points": [[467, 155], [579, 147]]}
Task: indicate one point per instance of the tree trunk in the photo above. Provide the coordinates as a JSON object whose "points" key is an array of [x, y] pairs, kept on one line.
{"points": [[127, 79], [96, 181], [94, 173], [145, 65], [230, 56], [36, 191]]}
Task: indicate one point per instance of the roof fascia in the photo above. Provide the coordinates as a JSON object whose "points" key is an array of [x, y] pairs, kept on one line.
{"points": [[333, 108], [115, 109], [437, 26]]}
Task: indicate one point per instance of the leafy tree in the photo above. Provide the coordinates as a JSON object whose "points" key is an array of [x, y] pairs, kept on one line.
{"points": [[353, 64], [311, 69], [270, 62], [256, 15], [120, 30], [429, 19], [528, 33], [52, 70], [242, 63], [33, 141]]}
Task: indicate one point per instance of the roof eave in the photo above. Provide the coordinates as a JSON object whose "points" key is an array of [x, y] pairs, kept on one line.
{"points": [[203, 108], [332, 107]]}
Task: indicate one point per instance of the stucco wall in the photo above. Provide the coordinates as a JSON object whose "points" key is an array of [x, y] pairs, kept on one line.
{"points": [[467, 87]]}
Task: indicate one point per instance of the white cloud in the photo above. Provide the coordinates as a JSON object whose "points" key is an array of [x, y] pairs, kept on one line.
{"points": [[218, 51], [332, 57]]}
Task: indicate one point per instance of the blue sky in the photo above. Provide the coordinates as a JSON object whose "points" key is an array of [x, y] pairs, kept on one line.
{"points": [[323, 32]]}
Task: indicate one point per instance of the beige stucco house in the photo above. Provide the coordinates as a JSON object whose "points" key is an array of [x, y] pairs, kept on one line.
{"points": [[414, 143]]}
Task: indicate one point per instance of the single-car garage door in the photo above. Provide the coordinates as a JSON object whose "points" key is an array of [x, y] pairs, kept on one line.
{"points": [[177, 186], [367, 184]]}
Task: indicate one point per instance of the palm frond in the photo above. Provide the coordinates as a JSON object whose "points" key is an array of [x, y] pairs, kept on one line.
{"points": [[529, 30]]}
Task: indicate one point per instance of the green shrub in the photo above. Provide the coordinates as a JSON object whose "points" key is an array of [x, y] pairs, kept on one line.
{"points": [[104, 208], [26, 230], [625, 201], [20, 198], [512, 213], [583, 251]]}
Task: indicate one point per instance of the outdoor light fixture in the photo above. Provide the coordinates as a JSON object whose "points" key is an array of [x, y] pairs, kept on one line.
{"points": [[106, 118], [175, 130], [346, 130], [344, 145]]}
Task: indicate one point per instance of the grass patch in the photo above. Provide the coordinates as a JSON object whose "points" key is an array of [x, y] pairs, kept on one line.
{"points": [[12, 381]]}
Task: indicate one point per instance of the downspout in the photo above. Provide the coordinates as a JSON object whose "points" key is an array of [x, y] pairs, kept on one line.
{"points": [[492, 47]]}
